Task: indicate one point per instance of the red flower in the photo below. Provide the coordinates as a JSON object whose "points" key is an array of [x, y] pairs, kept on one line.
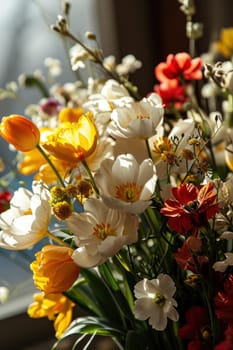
{"points": [[224, 302], [192, 207], [227, 343], [179, 66], [5, 198], [197, 329], [171, 92], [184, 257]]}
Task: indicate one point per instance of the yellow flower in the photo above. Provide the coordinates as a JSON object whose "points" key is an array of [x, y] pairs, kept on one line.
{"points": [[30, 162], [70, 114], [225, 44], [33, 162], [20, 132], [73, 142], [54, 271], [56, 307]]}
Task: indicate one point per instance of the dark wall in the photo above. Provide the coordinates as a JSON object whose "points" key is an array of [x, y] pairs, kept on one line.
{"points": [[154, 28]]}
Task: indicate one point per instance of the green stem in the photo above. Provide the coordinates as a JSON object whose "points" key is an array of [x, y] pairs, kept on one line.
{"points": [[131, 89], [57, 239], [84, 163], [31, 81], [48, 160]]}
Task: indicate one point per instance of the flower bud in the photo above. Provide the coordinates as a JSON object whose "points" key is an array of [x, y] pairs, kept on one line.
{"points": [[54, 271], [20, 132]]}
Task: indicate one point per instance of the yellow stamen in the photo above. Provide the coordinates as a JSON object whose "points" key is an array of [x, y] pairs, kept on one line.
{"points": [[101, 231], [129, 192]]}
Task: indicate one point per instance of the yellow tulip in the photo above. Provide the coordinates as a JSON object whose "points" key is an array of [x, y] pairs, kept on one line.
{"points": [[70, 114], [20, 132], [73, 142], [56, 307], [225, 44], [54, 271], [30, 162]]}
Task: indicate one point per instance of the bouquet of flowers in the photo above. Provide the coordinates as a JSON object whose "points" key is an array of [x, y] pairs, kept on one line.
{"points": [[135, 196]]}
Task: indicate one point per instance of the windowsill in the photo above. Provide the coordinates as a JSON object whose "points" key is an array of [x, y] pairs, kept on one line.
{"points": [[16, 306]]}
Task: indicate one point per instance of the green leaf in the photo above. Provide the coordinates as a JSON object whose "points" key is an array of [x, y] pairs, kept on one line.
{"points": [[119, 297], [82, 295], [92, 326], [102, 296]]}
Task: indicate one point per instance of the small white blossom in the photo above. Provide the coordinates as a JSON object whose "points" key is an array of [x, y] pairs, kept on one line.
{"points": [[54, 66], [78, 56], [155, 301], [222, 265], [110, 62], [129, 64]]}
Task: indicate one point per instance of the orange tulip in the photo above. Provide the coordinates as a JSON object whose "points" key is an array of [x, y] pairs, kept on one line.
{"points": [[54, 271], [56, 307], [20, 132]]}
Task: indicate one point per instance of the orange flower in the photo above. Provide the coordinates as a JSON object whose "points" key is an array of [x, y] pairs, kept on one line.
{"points": [[20, 132], [54, 271], [54, 306]]}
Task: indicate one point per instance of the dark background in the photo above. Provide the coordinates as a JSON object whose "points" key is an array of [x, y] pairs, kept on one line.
{"points": [[154, 28]]}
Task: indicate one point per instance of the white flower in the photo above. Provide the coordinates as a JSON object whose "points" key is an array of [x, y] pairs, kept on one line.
{"points": [[109, 62], [104, 150], [112, 95], [177, 140], [155, 302], [78, 56], [129, 64], [100, 232], [138, 120], [221, 266], [125, 185], [54, 66], [26, 222]]}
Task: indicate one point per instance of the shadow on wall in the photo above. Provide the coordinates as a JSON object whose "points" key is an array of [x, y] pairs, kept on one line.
{"points": [[38, 334]]}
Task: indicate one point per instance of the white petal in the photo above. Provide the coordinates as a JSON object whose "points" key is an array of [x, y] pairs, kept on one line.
{"points": [[125, 169], [146, 171], [83, 259], [166, 285], [111, 245], [21, 199], [158, 319], [173, 314], [145, 288], [79, 225], [142, 308]]}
